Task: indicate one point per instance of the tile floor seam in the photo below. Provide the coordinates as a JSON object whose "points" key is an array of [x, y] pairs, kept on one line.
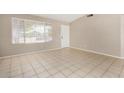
{"points": [[33, 68], [67, 63], [108, 68], [121, 71], [64, 74], [10, 67], [94, 68], [21, 69], [88, 61], [44, 67]]}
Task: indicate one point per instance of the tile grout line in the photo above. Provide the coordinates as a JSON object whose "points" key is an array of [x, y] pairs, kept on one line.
{"points": [[10, 68], [21, 69], [53, 60], [113, 61], [121, 70], [32, 67], [83, 64], [96, 66], [54, 73], [44, 67]]}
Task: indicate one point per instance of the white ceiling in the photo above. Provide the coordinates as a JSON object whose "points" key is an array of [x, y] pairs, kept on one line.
{"points": [[62, 17]]}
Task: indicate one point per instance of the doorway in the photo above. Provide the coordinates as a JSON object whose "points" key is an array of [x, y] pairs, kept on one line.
{"points": [[65, 36]]}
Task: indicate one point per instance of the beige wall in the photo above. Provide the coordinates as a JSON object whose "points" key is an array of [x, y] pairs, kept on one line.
{"points": [[7, 48], [100, 33], [122, 35]]}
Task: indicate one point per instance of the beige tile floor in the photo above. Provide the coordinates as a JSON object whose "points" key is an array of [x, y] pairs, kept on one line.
{"points": [[63, 63]]}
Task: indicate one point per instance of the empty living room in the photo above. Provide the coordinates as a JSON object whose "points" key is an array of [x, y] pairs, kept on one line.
{"points": [[61, 46]]}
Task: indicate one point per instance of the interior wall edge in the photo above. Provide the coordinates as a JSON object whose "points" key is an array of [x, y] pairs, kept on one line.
{"points": [[122, 34], [100, 33], [99, 53], [6, 46], [22, 54]]}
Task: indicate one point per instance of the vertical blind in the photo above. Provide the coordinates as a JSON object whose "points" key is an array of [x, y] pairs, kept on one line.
{"points": [[28, 31]]}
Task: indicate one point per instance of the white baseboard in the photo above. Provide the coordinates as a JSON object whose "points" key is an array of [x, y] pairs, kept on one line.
{"points": [[98, 53], [29, 53], [62, 48]]}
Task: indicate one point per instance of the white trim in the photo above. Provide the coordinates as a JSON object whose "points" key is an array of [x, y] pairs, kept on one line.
{"points": [[98, 53], [29, 53], [62, 48]]}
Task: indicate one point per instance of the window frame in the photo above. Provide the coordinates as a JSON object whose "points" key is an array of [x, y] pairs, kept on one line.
{"points": [[29, 20]]}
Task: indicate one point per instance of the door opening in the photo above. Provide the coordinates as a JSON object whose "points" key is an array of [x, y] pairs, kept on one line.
{"points": [[65, 36]]}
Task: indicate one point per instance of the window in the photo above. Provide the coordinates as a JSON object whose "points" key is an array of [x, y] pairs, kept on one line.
{"points": [[28, 31]]}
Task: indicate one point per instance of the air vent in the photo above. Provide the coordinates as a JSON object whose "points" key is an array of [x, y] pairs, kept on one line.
{"points": [[89, 15]]}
